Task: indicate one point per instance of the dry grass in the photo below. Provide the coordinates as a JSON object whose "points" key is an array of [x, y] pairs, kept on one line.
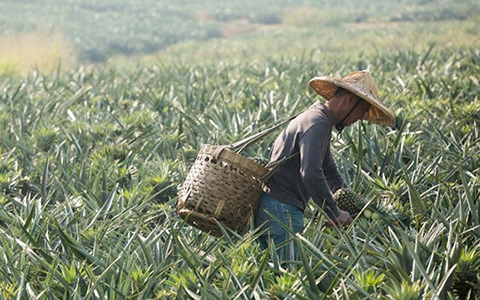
{"points": [[202, 16], [38, 50], [311, 17], [239, 27]]}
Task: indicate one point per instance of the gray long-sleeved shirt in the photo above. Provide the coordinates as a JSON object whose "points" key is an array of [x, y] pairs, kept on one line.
{"points": [[314, 173]]}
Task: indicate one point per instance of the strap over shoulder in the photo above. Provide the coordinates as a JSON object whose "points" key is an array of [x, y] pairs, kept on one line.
{"points": [[244, 144]]}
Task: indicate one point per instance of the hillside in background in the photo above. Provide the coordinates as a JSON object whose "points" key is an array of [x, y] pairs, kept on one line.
{"points": [[39, 33]]}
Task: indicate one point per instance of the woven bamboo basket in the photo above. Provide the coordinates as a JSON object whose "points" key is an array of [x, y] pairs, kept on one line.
{"points": [[224, 189], [224, 186]]}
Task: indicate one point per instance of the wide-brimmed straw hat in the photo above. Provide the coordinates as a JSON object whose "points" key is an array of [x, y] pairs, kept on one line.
{"points": [[360, 83]]}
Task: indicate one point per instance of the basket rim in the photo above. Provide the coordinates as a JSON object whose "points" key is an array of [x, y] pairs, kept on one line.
{"points": [[239, 161]]}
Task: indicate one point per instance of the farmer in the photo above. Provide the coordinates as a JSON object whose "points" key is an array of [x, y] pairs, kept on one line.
{"points": [[313, 173]]}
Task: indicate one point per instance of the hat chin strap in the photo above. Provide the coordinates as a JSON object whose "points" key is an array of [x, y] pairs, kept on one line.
{"points": [[340, 125]]}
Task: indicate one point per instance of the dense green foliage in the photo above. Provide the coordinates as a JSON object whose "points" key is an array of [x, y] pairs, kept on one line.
{"points": [[91, 161], [91, 158]]}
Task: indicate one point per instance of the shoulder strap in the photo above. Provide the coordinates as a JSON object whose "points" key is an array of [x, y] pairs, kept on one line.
{"points": [[242, 145], [273, 166]]}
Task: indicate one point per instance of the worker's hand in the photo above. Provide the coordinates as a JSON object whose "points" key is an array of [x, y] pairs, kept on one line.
{"points": [[343, 219]]}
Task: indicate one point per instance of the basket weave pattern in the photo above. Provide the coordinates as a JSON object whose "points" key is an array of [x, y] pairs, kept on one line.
{"points": [[224, 189]]}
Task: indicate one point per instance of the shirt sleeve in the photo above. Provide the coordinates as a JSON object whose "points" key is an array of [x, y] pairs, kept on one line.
{"points": [[334, 179], [313, 145]]}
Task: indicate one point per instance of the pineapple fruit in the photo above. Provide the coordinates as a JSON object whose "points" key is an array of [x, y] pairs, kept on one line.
{"points": [[348, 200]]}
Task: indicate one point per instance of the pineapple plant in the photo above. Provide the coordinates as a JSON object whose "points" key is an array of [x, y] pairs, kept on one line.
{"points": [[46, 137], [466, 280], [86, 172]]}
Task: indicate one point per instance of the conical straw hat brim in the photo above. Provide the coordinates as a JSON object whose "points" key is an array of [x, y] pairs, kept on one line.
{"points": [[378, 113]]}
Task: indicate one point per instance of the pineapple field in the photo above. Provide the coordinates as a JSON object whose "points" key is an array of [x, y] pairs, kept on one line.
{"points": [[92, 158]]}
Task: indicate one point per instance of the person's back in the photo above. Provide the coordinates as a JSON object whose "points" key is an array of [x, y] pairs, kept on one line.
{"points": [[313, 173], [294, 183]]}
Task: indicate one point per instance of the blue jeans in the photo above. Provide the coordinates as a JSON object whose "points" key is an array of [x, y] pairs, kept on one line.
{"points": [[289, 215]]}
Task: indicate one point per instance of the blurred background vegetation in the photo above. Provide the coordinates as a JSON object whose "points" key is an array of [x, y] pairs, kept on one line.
{"points": [[52, 34]]}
